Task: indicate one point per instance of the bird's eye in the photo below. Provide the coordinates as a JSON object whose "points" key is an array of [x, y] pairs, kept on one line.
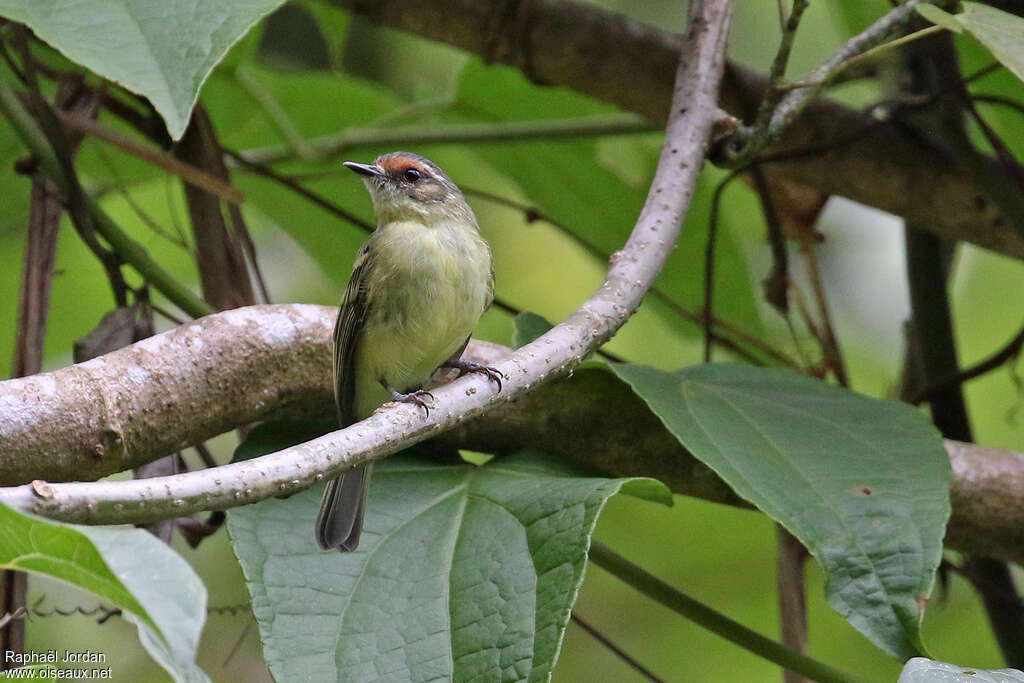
{"points": [[412, 175]]}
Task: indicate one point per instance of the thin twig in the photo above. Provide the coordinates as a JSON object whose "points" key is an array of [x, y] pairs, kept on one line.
{"points": [[506, 131], [777, 73], [265, 171], [1010, 351], [712, 620], [124, 246], [153, 155], [167, 314], [753, 140], [982, 72], [709, 260], [118, 185], [618, 651], [44, 122], [776, 285], [830, 348], [791, 582], [995, 583], [721, 328], [238, 642], [416, 109], [205, 455], [265, 99], [806, 316], [1000, 100], [1003, 152], [249, 248], [11, 64], [875, 51], [792, 104]]}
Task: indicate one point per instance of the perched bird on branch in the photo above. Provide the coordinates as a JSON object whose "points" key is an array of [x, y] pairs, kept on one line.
{"points": [[418, 288]]}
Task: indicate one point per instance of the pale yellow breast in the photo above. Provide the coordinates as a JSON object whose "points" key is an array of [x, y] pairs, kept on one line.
{"points": [[427, 291]]}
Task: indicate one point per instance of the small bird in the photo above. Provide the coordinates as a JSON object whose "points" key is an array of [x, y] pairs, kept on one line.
{"points": [[418, 288]]}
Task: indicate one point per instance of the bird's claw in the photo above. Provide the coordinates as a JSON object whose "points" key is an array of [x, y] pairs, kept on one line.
{"points": [[466, 366], [414, 397]]}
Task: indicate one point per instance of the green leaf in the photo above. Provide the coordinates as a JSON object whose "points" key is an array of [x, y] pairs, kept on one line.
{"points": [[940, 17], [463, 571], [863, 483], [528, 326], [162, 50], [155, 587], [921, 670], [1001, 32]]}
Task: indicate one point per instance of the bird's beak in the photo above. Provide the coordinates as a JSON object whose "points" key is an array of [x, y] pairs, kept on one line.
{"points": [[369, 170]]}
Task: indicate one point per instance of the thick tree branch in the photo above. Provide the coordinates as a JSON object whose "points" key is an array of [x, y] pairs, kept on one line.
{"points": [[248, 364], [630, 64], [128, 421], [163, 394]]}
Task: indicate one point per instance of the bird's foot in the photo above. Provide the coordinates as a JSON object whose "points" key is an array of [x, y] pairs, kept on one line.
{"points": [[467, 366], [414, 397]]}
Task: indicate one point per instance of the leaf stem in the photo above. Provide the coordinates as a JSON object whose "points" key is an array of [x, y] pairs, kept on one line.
{"points": [[878, 49], [712, 620]]}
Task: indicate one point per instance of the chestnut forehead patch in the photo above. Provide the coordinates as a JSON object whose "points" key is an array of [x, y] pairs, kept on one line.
{"points": [[394, 164]]}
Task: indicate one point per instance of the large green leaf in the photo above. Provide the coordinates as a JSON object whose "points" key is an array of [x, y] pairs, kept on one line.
{"points": [[463, 572], [863, 483], [155, 587], [921, 670], [999, 31], [162, 50]]}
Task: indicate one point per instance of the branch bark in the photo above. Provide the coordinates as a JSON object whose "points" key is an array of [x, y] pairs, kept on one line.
{"points": [[630, 64], [220, 372], [123, 395]]}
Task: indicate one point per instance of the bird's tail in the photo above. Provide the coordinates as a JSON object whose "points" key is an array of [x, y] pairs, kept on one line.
{"points": [[340, 521]]}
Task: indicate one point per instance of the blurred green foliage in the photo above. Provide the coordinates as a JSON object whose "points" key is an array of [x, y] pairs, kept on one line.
{"points": [[721, 555]]}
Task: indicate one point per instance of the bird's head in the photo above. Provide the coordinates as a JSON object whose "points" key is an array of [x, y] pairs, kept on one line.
{"points": [[407, 187]]}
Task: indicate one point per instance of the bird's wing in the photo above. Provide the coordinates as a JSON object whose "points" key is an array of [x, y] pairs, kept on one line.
{"points": [[490, 290], [351, 318]]}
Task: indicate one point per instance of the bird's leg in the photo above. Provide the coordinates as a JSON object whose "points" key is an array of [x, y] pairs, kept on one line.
{"points": [[467, 366], [414, 397]]}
